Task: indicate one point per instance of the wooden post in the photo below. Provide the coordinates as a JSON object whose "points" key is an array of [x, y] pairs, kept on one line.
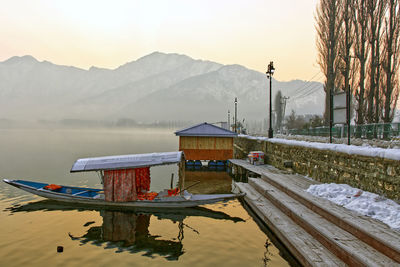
{"points": [[172, 181], [182, 173]]}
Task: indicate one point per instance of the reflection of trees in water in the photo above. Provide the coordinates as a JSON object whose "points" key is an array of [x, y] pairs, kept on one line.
{"points": [[129, 231], [267, 253]]}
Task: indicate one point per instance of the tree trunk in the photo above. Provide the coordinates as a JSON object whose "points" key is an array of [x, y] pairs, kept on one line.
{"points": [[328, 29], [391, 62], [360, 48]]}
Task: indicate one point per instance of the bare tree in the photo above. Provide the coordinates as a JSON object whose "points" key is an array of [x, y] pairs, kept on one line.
{"points": [[295, 122], [328, 31], [378, 106], [346, 44], [370, 30], [360, 21], [390, 63], [278, 110], [375, 10]]}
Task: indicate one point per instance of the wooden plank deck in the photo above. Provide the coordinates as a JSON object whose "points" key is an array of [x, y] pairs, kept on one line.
{"points": [[295, 179], [287, 191], [349, 248], [373, 232], [307, 250]]}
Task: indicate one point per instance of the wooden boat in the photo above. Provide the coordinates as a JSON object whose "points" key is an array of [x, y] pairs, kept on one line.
{"points": [[91, 196]]}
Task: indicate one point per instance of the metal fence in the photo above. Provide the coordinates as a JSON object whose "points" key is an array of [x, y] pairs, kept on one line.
{"points": [[366, 131]]}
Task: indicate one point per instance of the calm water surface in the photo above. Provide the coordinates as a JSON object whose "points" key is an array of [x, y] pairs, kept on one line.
{"points": [[31, 228]]}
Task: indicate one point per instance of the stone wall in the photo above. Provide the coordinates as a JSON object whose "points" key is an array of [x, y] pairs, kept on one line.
{"points": [[373, 174]]}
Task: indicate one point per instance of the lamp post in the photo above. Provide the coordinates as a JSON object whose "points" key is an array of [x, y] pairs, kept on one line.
{"points": [[235, 114], [229, 120], [269, 73]]}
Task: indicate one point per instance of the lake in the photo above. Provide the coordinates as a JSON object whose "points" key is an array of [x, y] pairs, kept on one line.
{"points": [[222, 234]]}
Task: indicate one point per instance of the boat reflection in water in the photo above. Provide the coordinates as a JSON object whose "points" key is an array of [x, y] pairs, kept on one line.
{"points": [[128, 230]]}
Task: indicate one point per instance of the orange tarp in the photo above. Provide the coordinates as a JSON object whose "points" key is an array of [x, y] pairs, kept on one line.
{"points": [[173, 192], [147, 196], [53, 187]]}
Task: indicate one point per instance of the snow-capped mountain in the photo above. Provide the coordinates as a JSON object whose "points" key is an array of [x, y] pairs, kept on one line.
{"points": [[158, 86]]}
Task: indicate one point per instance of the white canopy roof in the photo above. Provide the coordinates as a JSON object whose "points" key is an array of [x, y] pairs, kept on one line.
{"points": [[126, 161]]}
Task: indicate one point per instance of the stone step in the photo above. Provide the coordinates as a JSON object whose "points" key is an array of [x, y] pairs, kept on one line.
{"points": [[373, 232], [307, 250], [344, 245]]}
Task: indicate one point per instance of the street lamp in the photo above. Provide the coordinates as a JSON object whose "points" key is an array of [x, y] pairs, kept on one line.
{"points": [[229, 120], [235, 114], [269, 73]]}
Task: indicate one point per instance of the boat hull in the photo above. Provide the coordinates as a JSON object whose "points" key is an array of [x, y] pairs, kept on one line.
{"points": [[179, 201]]}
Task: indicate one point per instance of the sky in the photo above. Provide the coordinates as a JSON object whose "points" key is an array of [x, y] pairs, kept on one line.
{"points": [[107, 34]]}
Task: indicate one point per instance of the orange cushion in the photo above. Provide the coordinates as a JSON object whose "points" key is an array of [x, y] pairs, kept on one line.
{"points": [[52, 187]]}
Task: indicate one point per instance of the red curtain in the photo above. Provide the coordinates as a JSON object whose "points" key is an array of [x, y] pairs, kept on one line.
{"points": [[120, 185], [142, 179], [124, 185]]}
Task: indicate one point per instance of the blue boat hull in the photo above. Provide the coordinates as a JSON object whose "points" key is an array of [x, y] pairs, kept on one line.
{"points": [[91, 196]]}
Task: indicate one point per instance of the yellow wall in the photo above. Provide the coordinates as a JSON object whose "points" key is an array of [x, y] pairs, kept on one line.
{"points": [[206, 148], [194, 142]]}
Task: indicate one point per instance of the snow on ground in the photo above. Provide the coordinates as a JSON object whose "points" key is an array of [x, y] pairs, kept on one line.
{"points": [[392, 143], [389, 153], [366, 203]]}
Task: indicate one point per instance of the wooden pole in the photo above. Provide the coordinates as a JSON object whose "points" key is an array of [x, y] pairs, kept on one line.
{"points": [[172, 180], [330, 114], [182, 174], [348, 100]]}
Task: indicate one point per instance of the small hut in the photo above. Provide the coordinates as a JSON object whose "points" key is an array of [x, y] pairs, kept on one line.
{"points": [[206, 141]]}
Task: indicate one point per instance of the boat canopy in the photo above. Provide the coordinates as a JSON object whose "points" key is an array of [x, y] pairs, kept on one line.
{"points": [[126, 161]]}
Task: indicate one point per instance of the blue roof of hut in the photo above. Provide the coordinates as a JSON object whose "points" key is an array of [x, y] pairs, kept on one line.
{"points": [[206, 129]]}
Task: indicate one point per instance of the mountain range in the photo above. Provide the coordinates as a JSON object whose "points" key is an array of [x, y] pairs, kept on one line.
{"points": [[156, 87]]}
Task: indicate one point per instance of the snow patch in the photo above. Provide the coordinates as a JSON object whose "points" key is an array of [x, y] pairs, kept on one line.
{"points": [[366, 203], [388, 153]]}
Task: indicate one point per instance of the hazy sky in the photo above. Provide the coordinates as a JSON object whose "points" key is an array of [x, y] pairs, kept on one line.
{"points": [[108, 34]]}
